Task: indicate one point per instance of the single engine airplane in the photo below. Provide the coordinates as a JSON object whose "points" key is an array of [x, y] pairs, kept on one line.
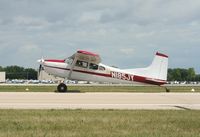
{"points": [[87, 66]]}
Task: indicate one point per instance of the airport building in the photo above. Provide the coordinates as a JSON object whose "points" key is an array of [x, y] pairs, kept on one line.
{"points": [[2, 77]]}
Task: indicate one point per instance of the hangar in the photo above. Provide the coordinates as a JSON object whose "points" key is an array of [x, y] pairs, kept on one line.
{"points": [[2, 77]]}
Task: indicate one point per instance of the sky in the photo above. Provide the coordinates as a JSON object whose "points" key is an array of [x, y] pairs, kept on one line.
{"points": [[125, 33]]}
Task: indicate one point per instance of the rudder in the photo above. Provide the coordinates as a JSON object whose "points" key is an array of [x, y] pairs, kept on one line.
{"points": [[157, 70], [159, 67]]}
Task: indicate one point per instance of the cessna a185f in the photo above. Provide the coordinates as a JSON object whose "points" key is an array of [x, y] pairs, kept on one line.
{"points": [[87, 66]]}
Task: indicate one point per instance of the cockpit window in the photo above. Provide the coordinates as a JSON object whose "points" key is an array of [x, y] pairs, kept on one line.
{"points": [[82, 64], [93, 66]]}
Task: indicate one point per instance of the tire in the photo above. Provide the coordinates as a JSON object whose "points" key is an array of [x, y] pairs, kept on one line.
{"points": [[62, 88]]}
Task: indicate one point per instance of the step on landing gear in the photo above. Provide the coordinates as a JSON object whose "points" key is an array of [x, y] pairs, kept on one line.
{"points": [[62, 88]]}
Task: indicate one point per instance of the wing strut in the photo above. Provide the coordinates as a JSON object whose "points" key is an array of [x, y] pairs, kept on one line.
{"points": [[72, 67]]}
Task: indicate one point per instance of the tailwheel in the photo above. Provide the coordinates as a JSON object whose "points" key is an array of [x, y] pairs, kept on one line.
{"points": [[62, 87]]}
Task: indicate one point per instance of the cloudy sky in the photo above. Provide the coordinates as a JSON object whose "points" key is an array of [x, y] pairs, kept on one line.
{"points": [[126, 33]]}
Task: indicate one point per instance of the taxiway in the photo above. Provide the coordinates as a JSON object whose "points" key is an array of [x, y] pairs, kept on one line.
{"points": [[151, 101]]}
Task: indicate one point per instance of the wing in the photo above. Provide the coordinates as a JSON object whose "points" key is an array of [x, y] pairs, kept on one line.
{"points": [[87, 56]]}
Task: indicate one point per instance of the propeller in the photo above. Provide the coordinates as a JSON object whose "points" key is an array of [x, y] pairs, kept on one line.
{"points": [[41, 62]]}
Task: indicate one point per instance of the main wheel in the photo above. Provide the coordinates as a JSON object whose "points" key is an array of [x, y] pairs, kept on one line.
{"points": [[62, 87]]}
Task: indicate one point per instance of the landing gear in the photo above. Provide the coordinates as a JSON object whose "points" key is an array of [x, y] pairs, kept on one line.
{"points": [[62, 88]]}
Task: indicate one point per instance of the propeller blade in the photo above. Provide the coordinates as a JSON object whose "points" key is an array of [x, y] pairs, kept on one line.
{"points": [[40, 61], [40, 68]]}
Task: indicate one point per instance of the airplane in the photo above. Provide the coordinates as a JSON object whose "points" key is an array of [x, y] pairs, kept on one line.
{"points": [[87, 66]]}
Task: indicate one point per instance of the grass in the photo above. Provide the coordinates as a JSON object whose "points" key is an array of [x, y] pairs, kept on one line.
{"points": [[132, 89], [52, 88], [31, 88], [99, 123]]}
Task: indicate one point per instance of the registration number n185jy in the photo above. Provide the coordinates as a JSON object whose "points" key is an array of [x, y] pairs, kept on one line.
{"points": [[123, 76]]}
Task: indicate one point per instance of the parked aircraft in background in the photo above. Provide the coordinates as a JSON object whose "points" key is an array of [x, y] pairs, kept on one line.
{"points": [[87, 66]]}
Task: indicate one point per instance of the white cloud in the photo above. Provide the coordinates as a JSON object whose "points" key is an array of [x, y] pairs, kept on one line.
{"points": [[28, 49], [89, 17], [127, 51], [31, 22]]}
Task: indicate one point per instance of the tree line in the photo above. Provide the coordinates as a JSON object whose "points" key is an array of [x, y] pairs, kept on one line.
{"points": [[180, 74], [17, 72], [176, 74]]}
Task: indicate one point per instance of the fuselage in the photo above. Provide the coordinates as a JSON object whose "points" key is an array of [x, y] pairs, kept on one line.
{"points": [[86, 71]]}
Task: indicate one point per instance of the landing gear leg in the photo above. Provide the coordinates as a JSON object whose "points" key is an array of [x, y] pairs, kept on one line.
{"points": [[62, 88]]}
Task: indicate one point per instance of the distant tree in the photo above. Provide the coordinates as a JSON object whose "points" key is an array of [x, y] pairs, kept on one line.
{"points": [[1, 68], [184, 74], [14, 72], [170, 76], [191, 74], [179, 74], [197, 77], [17, 72], [31, 73]]}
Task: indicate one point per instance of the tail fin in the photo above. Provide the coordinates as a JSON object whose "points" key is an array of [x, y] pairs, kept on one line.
{"points": [[157, 70]]}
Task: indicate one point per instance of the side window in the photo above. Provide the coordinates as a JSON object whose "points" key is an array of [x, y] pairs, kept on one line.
{"points": [[82, 64], [102, 68], [93, 66]]}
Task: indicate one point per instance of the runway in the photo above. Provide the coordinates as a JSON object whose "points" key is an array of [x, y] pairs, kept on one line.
{"points": [[132, 101]]}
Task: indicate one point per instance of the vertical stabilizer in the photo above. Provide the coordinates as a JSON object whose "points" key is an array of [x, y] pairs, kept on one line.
{"points": [[158, 68]]}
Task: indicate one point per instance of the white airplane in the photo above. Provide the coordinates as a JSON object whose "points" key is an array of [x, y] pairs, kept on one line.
{"points": [[87, 66]]}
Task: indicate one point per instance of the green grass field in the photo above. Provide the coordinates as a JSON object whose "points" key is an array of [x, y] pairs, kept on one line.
{"points": [[99, 123], [52, 88]]}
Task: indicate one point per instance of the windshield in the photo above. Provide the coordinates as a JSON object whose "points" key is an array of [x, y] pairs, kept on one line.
{"points": [[69, 60]]}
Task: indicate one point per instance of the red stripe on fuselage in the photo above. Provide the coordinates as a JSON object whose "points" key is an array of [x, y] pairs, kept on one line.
{"points": [[93, 73], [148, 81], [136, 78], [55, 60]]}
